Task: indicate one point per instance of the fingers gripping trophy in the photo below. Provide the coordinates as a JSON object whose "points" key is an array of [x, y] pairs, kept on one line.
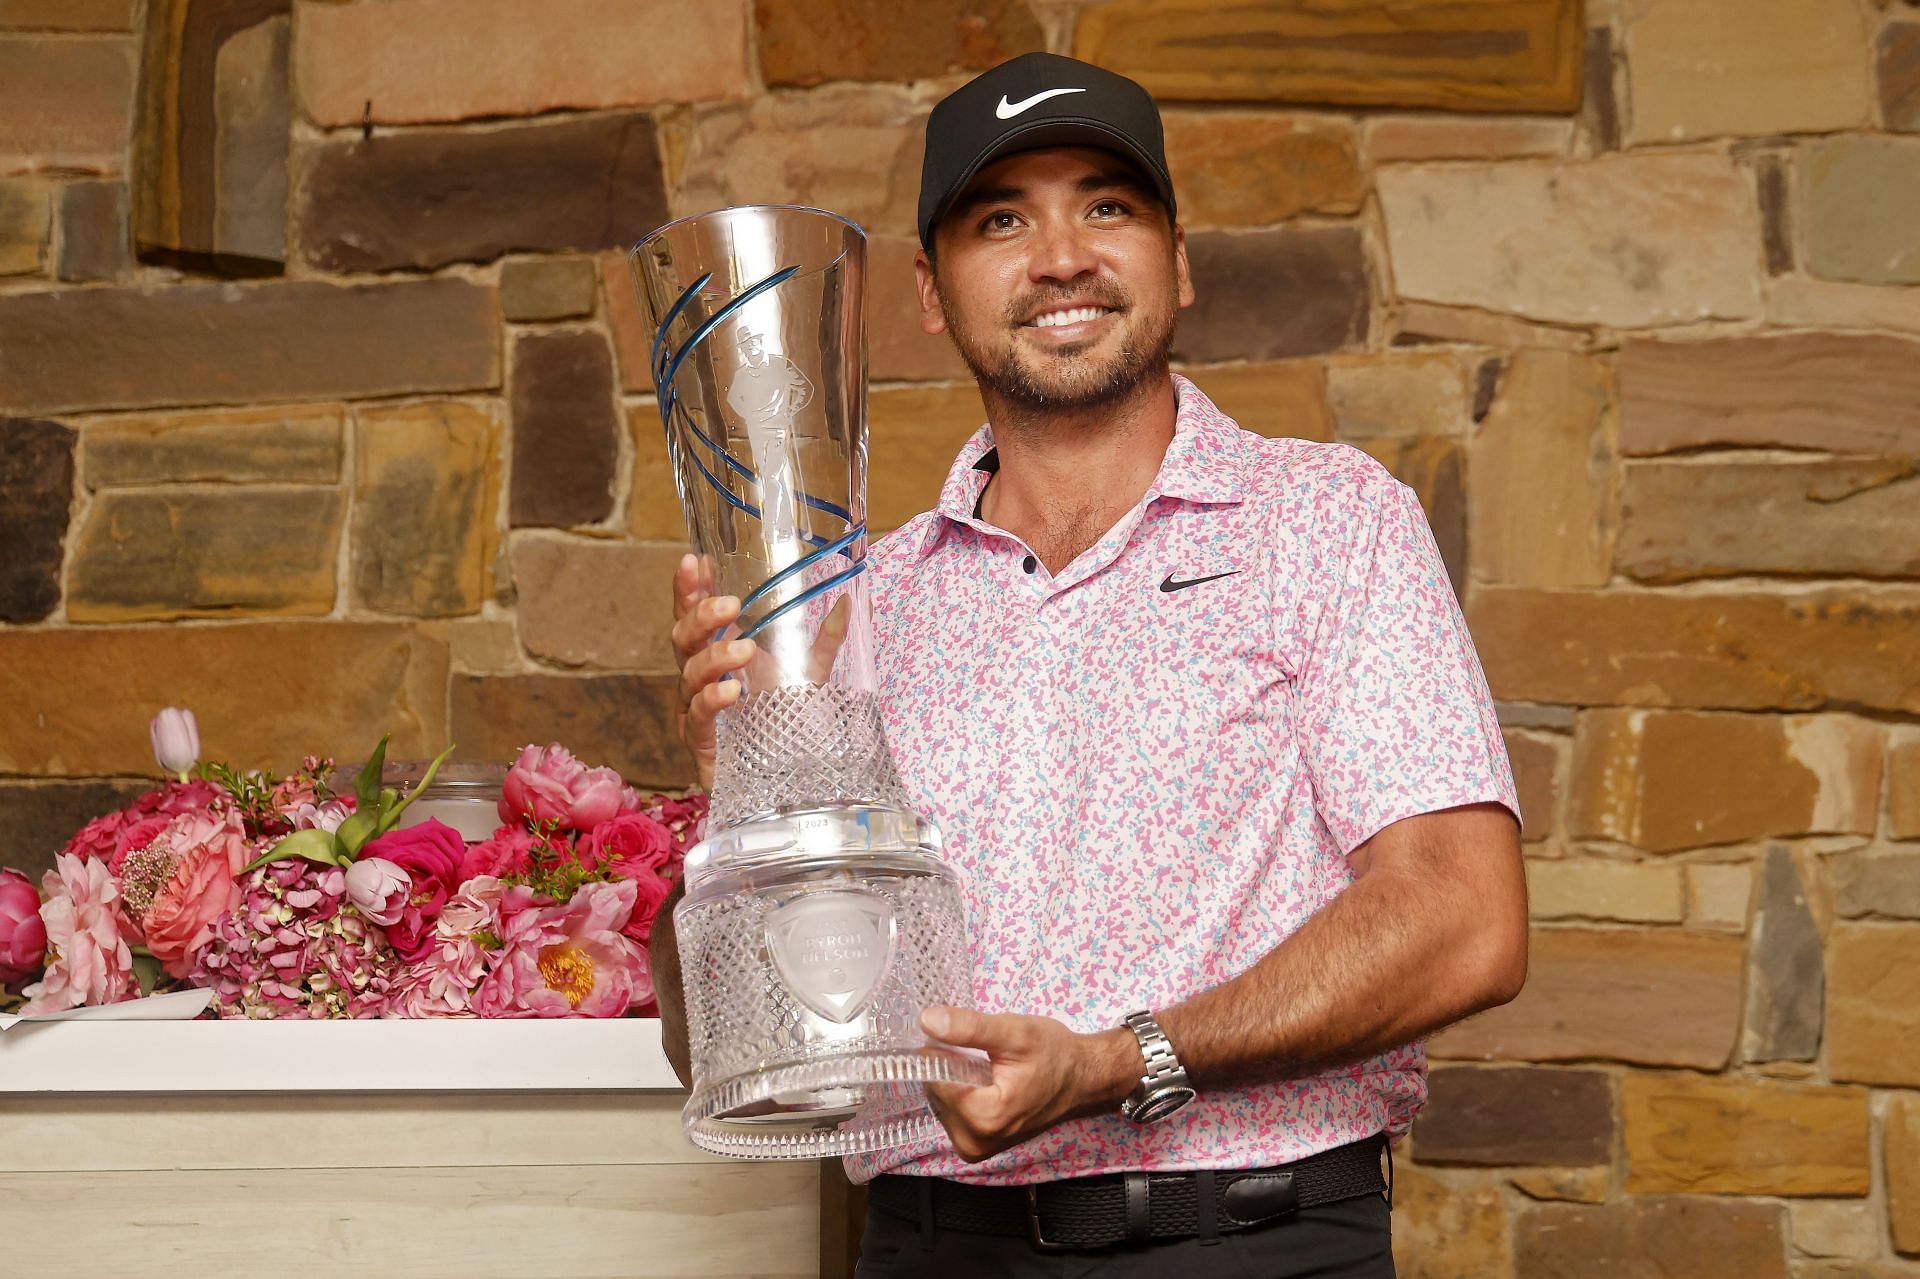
{"points": [[818, 918]]}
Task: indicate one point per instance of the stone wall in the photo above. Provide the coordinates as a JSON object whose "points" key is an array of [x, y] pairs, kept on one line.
{"points": [[326, 413]]}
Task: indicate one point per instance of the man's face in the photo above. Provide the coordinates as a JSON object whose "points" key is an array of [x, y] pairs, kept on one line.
{"points": [[1059, 278]]}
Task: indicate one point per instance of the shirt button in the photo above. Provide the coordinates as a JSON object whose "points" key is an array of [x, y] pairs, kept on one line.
{"points": [[1030, 564]]}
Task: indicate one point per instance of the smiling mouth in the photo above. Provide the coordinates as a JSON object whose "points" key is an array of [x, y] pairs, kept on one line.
{"points": [[1066, 315]]}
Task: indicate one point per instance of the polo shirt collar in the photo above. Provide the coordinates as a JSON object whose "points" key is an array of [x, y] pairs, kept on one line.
{"points": [[1204, 463]]}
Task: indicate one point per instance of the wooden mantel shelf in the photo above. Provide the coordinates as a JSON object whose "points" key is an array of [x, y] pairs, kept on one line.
{"points": [[384, 1055]]}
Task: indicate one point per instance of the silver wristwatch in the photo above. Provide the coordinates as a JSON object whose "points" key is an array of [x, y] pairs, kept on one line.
{"points": [[1164, 1087]]}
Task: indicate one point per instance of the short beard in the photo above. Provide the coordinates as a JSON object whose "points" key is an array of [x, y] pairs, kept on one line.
{"points": [[1140, 361]]}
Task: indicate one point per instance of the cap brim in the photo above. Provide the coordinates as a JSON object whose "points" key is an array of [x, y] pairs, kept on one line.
{"points": [[1053, 132]]}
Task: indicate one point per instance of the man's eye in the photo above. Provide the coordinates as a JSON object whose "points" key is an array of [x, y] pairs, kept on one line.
{"points": [[1109, 208], [1001, 221]]}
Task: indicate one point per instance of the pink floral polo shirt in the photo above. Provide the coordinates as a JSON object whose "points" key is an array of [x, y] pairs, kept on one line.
{"points": [[1151, 767]]}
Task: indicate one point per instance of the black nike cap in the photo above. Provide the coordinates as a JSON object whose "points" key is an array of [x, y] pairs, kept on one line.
{"points": [[1037, 100]]}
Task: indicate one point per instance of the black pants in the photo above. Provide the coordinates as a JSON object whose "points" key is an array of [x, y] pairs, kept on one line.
{"points": [[1350, 1239]]}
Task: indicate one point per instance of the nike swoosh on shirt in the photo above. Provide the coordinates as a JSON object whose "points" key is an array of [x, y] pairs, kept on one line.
{"points": [[1007, 110], [1171, 585]]}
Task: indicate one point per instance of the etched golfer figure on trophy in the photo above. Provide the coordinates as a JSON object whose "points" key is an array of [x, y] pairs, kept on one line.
{"points": [[818, 919]]}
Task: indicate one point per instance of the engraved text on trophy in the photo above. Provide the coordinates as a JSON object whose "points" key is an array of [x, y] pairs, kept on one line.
{"points": [[831, 949]]}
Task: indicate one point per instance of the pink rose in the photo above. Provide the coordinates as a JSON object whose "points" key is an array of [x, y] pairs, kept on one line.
{"points": [[379, 888], [98, 837], [509, 852], [23, 934], [547, 784], [175, 798], [209, 848], [629, 844], [566, 961], [650, 890], [430, 854], [92, 963], [134, 836]]}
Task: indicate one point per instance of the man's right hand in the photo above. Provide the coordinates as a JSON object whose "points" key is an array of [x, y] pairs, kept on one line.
{"points": [[697, 615]]}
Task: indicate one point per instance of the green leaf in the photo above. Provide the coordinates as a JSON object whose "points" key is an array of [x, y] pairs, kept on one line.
{"points": [[314, 845], [354, 833], [390, 818], [146, 970], [366, 787]]}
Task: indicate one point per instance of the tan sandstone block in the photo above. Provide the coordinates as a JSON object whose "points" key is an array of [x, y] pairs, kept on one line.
{"points": [[1564, 1185], [654, 512], [1688, 1135], [1394, 138], [1693, 518], [1873, 1003], [1719, 896], [914, 433], [411, 61], [1670, 780], [1665, 1236], [1281, 398], [26, 224], [425, 508], [1734, 650], [854, 150], [1535, 759], [72, 701], [1626, 241], [300, 444], [1649, 997], [1398, 395], [1834, 1228], [589, 602], [1248, 169], [1902, 1138], [1798, 301], [1447, 1225], [1625, 892], [1541, 504], [1903, 788], [1708, 68], [160, 553]]}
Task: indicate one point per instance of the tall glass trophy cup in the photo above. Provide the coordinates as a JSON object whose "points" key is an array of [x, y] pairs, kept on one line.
{"points": [[819, 919]]}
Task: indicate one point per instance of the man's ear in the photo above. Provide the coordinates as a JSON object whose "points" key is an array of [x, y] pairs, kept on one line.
{"points": [[933, 317], [1180, 270]]}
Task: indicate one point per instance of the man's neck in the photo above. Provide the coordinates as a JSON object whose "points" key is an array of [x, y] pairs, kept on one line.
{"points": [[1065, 478]]}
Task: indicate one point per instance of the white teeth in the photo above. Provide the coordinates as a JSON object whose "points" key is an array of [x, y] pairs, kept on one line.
{"points": [[1073, 315]]}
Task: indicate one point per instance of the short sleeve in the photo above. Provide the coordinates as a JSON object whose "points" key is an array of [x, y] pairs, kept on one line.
{"points": [[1395, 715]]}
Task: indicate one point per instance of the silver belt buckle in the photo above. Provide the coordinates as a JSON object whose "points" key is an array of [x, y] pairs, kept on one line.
{"points": [[1034, 1232]]}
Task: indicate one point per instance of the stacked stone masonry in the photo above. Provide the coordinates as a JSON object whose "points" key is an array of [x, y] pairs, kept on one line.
{"points": [[323, 388]]}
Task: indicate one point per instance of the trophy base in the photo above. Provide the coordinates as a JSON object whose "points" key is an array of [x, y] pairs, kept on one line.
{"points": [[844, 1105], [809, 943]]}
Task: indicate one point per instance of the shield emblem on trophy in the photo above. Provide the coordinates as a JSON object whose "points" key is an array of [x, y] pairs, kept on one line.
{"points": [[832, 948]]}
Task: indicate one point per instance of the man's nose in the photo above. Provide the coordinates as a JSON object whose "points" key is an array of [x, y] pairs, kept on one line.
{"points": [[1061, 251]]}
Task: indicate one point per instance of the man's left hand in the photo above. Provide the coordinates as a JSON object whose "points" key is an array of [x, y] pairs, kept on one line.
{"points": [[1043, 1073]]}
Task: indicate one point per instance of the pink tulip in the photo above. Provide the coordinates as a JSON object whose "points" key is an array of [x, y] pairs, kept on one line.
{"points": [[176, 741], [23, 935], [379, 888]]}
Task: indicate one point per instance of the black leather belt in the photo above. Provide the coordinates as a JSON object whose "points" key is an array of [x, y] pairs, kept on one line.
{"points": [[1134, 1207]]}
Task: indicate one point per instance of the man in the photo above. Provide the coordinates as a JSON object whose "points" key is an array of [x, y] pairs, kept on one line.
{"points": [[1199, 716]]}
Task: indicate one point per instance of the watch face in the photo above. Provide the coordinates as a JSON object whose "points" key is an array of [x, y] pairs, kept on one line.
{"points": [[1161, 1103]]}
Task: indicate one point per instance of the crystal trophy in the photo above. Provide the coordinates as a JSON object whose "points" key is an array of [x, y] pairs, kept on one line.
{"points": [[818, 919]]}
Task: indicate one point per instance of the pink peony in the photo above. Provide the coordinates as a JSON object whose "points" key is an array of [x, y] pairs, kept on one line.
{"points": [[566, 961], [379, 888], [23, 934], [183, 881], [547, 784], [88, 960], [430, 854]]}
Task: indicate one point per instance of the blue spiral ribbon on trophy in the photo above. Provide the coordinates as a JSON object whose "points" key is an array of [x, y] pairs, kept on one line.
{"points": [[666, 369]]}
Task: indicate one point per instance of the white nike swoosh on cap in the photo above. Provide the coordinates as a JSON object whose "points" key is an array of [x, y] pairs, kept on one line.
{"points": [[1007, 110]]}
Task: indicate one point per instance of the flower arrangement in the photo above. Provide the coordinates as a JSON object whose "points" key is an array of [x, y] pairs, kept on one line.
{"points": [[288, 900]]}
